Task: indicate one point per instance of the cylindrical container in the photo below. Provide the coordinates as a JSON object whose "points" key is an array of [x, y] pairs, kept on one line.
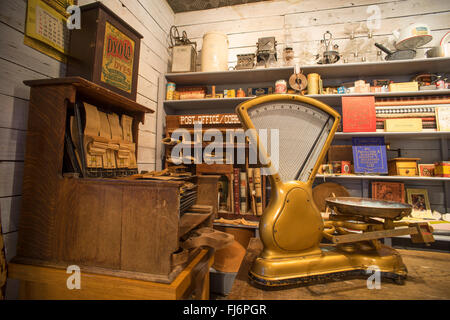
{"points": [[240, 93], [281, 86], [214, 52], [346, 167], [170, 90], [337, 166], [440, 84], [313, 83]]}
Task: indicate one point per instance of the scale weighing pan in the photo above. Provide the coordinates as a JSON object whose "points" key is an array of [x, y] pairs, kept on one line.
{"points": [[369, 207]]}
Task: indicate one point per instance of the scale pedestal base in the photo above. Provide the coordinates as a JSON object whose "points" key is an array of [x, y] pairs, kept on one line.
{"points": [[332, 263]]}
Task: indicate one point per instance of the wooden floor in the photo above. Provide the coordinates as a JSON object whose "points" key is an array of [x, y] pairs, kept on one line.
{"points": [[428, 278]]}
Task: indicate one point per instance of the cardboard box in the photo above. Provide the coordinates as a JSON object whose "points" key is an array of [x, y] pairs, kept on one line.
{"points": [[442, 169], [404, 86], [403, 125]]}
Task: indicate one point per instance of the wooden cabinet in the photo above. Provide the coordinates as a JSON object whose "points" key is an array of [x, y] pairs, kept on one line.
{"points": [[122, 227]]}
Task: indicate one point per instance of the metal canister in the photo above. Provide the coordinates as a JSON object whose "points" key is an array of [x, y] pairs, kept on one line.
{"points": [[313, 83], [170, 90], [281, 86]]}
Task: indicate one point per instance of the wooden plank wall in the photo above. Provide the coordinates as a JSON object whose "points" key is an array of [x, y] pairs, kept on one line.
{"points": [[18, 63], [309, 19]]}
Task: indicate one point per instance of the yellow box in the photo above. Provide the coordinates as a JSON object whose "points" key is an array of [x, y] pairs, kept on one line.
{"points": [[403, 167], [403, 125], [442, 169], [404, 86]]}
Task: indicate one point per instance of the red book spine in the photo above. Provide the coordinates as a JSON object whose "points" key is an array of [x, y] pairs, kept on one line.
{"points": [[236, 191], [358, 114]]}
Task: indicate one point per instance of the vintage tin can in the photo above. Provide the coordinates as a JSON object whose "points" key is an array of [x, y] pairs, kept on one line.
{"points": [[240, 93], [346, 167], [440, 84], [170, 91], [281, 86]]}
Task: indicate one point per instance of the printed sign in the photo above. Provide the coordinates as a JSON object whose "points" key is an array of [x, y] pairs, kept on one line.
{"points": [[118, 58]]}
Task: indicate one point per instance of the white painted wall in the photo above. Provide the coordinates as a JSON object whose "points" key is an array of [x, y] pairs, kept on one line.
{"points": [[309, 19], [151, 18]]}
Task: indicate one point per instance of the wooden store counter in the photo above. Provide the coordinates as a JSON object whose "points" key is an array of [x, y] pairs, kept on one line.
{"points": [[428, 278], [42, 283]]}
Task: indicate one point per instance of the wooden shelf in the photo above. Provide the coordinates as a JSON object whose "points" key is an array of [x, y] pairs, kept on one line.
{"points": [[362, 69], [376, 177]]}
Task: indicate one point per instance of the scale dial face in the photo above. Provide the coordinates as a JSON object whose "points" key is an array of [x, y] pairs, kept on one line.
{"points": [[293, 133]]}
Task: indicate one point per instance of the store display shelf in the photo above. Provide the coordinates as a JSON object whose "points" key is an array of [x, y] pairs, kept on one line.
{"points": [[333, 100], [397, 135], [378, 177], [362, 69]]}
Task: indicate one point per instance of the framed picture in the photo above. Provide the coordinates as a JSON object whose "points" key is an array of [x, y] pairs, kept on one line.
{"points": [[426, 170], [418, 198], [391, 191]]}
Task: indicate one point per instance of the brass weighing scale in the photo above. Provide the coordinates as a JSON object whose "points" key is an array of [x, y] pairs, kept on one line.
{"points": [[291, 227]]}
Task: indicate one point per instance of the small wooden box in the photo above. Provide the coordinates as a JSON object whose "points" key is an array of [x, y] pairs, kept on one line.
{"points": [[403, 167], [403, 125], [105, 50]]}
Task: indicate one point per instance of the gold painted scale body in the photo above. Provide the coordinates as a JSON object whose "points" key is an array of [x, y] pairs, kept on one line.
{"points": [[292, 228]]}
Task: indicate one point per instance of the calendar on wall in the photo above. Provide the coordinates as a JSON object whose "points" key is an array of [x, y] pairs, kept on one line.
{"points": [[46, 29]]}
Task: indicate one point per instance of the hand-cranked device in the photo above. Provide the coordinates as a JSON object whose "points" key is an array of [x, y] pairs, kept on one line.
{"points": [[291, 227]]}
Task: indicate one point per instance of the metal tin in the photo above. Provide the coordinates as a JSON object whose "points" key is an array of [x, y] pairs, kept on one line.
{"points": [[170, 90], [440, 84], [281, 86]]}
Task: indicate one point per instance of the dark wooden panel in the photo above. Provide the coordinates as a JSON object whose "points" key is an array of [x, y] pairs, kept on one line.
{"points": [[149, 228], [89, 223], [43, 164]]}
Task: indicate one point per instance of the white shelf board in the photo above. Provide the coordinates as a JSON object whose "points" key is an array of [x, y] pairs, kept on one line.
{"points": [[376, 177], [398, 135], [333, 100], [339, 70]]}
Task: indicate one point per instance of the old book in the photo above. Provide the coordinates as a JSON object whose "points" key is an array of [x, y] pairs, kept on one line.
{"points": [[358, 114], [243, 191], [258, 190], [236, 191], [251, 189], [391, 191], [369, 155], [443, 118]]}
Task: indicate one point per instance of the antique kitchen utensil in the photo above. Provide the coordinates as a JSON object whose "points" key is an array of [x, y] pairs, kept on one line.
{"points": [[266, 51], [412, 36], [328, 56], [291, 227], [245, 61], [184, 51], [397, 55]]}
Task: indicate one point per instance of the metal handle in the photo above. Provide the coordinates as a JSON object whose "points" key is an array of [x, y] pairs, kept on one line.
{"points": [[383, 48]]}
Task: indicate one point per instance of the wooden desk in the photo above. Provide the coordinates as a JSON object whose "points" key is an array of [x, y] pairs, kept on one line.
{"points": [[42, 283], [428, 278]]}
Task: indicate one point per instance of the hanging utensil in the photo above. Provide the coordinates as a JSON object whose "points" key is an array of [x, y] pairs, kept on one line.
{"points": [[328, 56], [397, 55]]}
